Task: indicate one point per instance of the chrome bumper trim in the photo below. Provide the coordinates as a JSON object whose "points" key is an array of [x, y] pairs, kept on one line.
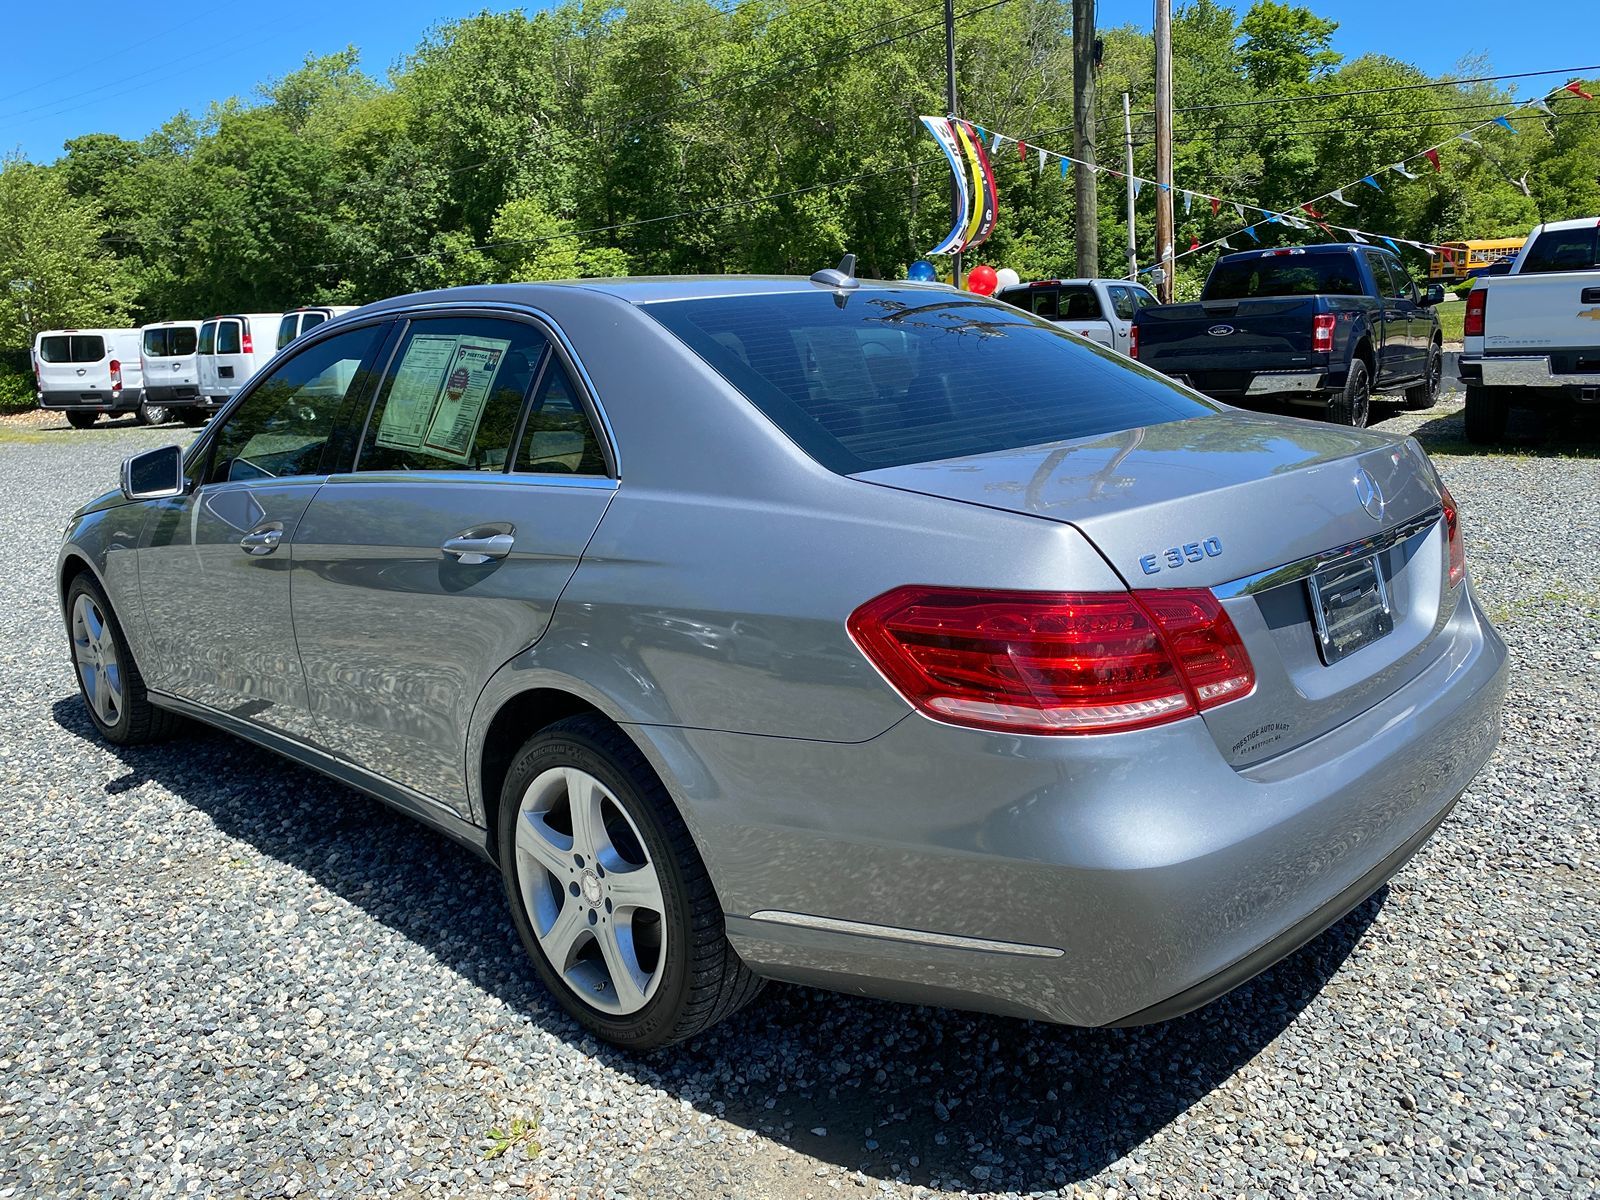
{"points": [[894, 933], [1531, 370], [1293, 572], [1276, 383]]}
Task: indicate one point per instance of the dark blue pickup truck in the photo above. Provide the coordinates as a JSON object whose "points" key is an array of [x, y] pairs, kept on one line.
{"points": [[1317, 326]]}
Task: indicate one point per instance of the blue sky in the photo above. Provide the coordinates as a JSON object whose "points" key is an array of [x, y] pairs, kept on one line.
{"points": [[104, 70]]}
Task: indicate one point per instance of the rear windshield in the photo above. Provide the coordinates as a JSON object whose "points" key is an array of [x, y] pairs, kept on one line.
{"points": [[208, 338], [169, 343], [896, 377], [228, 337], [1562, 250], [1284, 275], [1069, 302], [72, 348]]}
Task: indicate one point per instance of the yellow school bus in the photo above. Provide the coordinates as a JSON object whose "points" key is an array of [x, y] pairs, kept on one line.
{"points": [[1463, 260]]}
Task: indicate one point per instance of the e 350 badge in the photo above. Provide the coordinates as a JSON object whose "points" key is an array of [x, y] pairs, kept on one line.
{"points": [[1176, 556]]}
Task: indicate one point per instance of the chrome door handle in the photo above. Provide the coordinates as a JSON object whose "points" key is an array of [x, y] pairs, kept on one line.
{"points": [[261, 541], [471, 551]]}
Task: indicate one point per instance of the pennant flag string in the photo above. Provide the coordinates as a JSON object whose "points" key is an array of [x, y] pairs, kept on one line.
{"points": [[1505, 124], [1433, 157]]}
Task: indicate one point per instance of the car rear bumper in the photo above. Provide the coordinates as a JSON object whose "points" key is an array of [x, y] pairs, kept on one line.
{"points": [[1530, 371], [1295, 386], [92, 400], [1091, 881], [183, 395]]}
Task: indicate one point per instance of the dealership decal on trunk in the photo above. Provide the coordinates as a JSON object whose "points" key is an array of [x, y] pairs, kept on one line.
{"points": [[1176, 556]]}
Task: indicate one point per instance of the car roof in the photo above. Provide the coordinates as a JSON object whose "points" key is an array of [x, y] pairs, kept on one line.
{"points": [[1323, 248], [642, 289], [1574, 223]]}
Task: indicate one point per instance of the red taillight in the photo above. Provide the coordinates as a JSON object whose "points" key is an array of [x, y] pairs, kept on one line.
{"points": [[1452, 528], [1054, 662], [1477, 302], [1133, 341], [245, 345], [1322, 333], [116, 376]]}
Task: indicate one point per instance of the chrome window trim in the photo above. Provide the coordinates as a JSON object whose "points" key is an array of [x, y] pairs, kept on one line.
{"points": [[894, 933], [529, 478], [1293, 572]]}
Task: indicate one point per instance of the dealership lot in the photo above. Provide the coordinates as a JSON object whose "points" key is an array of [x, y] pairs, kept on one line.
{"points": [[222, 971]]}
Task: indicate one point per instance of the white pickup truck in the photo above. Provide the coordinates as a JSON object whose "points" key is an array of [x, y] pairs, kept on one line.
{"points": [[1098, 309], [1532, 335]]}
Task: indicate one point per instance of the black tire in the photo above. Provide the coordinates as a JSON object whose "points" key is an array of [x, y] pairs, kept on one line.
{"points": [[1425, 395], [1353, 406], [149, 414], [82, 420], [702, 981], [1487, 411], [136, 721]]}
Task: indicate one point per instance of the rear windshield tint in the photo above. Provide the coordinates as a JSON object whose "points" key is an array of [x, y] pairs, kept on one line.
{"points": [[72, 348], [169, 343], [896, 377], [1285, 275], [208, 338], [228, 337], [1562, 250]]}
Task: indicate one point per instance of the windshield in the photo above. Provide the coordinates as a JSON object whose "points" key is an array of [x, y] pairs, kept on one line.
{"points": [[72, 348], [896, 377], [1561, 250], [1284, 275]]}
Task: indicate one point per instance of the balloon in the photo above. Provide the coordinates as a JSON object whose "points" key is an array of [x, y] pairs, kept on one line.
{"points": [[922, 271], [1005, 277], [982, 280]]}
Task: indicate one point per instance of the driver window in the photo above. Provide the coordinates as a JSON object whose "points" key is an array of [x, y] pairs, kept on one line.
{"points": [[1403, 287], [452, 399], [283, 425]]}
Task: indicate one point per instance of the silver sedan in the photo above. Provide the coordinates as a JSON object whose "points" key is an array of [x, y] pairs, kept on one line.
{"points": [[869, 635]]}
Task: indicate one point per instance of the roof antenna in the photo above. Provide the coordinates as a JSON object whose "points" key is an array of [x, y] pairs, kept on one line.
{"points": [[842, 276]]}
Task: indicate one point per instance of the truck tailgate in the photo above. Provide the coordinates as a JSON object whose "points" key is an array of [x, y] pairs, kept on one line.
{"points": [[1270, 333], [1542, 313]]}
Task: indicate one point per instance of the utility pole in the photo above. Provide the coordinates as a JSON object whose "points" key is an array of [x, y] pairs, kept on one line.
{"points": [[950, 90], [1085, 189], [1164, 229], [1127, 136]]}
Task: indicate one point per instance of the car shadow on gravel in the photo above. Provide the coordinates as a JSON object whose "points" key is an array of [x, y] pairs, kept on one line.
{"points": [[1557, 432], [928, 1096]]}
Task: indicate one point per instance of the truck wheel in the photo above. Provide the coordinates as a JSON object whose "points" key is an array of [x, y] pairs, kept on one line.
{"points": [[1353, 406], [1426, 394], [149, 414], [193, 416], [1487, 410], [82, 420]]}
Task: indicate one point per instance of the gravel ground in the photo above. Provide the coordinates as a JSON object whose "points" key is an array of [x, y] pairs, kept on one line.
{"points": [[224, 975]]}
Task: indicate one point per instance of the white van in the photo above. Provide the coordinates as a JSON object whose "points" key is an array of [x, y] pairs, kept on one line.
{"points": [[301, 319], [232, 349], [86, 372], [168, 354]]}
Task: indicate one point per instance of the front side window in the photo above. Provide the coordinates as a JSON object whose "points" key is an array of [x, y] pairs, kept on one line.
{"points": [[452, 400], [964, 375], [285, 423], [208, 338], [1403, 287], [559, 439], [1123, 302], [228, 337]]}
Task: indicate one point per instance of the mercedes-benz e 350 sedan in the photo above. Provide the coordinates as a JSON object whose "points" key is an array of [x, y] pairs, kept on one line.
{"points": [[870, 635]]}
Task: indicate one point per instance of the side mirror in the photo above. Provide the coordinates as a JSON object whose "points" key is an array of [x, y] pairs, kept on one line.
{"points": [[153, 474], [1434, 295]]}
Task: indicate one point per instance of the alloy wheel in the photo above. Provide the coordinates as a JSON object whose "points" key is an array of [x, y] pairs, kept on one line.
{"points": [[590, 890], [95, 652]]}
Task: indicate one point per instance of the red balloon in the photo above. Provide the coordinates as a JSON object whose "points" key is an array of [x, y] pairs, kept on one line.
{"points": [[982, 280]]}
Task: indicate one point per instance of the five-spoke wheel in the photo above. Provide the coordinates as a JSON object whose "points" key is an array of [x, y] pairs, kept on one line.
{"points": [[94, 651]]}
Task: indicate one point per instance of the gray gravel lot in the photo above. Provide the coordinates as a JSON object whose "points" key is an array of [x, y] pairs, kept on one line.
{"points": [[223, 975]]}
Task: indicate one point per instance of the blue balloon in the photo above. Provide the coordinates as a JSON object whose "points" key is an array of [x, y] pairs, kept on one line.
{"points": [[922, 271]]}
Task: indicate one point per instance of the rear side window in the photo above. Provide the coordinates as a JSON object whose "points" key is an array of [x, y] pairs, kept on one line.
{"points": [[1041, 301], [228, 337], [1284, 275], [897, 377], [311, 320], [287, 330], [452, 400], [1123, 302], [1562, 250], [208, 338], [72, 348], [559, 439]]}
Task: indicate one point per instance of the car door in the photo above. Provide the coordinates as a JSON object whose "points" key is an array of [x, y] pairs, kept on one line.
{"points": [[478, 483], [1125, 301], [1394, 358], [1419, 324], [214, 563]]}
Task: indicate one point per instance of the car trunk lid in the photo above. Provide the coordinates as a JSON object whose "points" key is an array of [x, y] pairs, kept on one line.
{"points": [[1236, 336], [1245, 505]]}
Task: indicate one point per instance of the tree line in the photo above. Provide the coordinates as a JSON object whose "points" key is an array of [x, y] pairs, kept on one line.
{"points": [[674, 136]]}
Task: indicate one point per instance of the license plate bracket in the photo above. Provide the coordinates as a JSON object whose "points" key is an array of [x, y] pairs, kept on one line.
{"points": [[1350, 607]]}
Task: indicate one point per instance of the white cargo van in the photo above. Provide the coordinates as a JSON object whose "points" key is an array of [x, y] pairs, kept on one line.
{"points": [[168, 354], [232, 349], [86, 372], [301, 319]]}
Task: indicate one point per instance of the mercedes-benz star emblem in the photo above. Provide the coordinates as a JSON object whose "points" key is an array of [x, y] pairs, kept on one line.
{"points": [[1370, 495]]}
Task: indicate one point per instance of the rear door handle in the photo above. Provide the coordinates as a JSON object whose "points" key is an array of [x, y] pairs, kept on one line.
{"points": [[1591, 295], [471, 551], [262, 541]]}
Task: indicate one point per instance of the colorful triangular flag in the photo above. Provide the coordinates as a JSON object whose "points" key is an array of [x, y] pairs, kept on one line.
{"points": [[994, 146], [1505, 124], [1065, 164], [1433, 157], [1137, 184], [1389, 242], [1194, 244], [1239, 208], [1371, 183], [1216, 206], [1310, 212], [1576, 90], [1467, 138], [1041, 162], [1225, 243], [1542, 107], [983, 134], [1022, 150], [1400, 169], [1338, 194], [1188, 199], [1356, 234], [1251, 230]]}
